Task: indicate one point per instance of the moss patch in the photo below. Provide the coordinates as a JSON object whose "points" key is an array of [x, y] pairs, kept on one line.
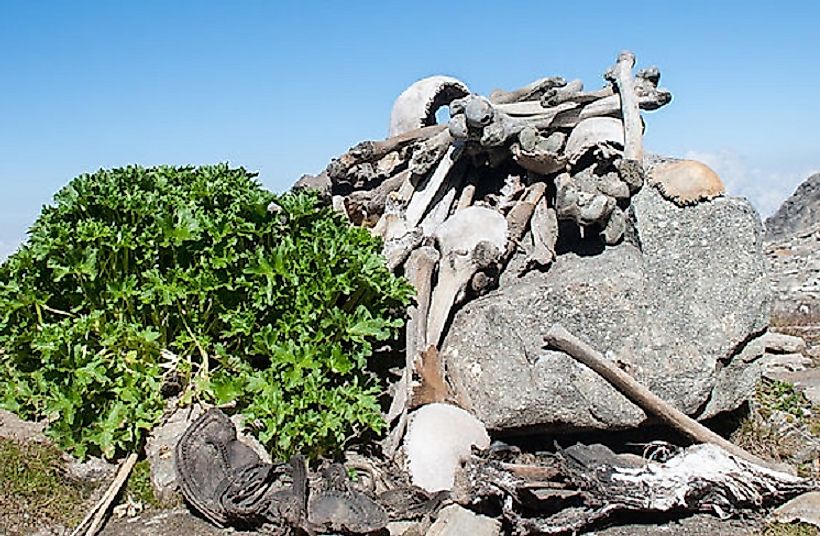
{"points": [[34, 489], [138, 488], [790, 529]]}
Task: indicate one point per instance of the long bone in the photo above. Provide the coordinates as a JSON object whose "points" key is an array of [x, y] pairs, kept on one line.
{"points": [[423, 198], [472, 239], [475, 118], [621, 75], [419, 270], [530, 92]]}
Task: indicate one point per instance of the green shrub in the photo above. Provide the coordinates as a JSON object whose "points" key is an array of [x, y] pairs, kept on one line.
{"points": [[139, 278]]}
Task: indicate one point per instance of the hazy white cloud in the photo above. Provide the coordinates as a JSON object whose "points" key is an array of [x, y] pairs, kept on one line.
{"points": [[765, 188]]}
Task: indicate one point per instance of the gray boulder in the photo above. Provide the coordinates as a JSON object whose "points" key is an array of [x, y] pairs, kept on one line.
{"points": [[675, 304], [799, 213]]}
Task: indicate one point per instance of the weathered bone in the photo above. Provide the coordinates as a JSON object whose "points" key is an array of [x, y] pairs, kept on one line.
{"points": [[396, 250], [419, 270], [530, 92], [466, 197], [472, 239], [612, 105], [520, 215], [370, 203], [440, 211], [539, 154], [422, 199], [544, 228], [416, 106], [686, 182], [583, 206], [371, 151], [477, 119], [599, 133], [430, 153], [621, 76], [569, 93], [615, 227]]}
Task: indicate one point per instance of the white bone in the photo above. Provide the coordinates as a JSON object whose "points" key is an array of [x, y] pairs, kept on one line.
{"points": [[472, 239]]}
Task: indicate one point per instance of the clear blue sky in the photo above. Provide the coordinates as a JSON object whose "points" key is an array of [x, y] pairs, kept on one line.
{"points": [[281, 87]]}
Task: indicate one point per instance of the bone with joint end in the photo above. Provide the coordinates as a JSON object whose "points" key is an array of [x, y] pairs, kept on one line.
{"points": [[621, 76], [471, 239]]}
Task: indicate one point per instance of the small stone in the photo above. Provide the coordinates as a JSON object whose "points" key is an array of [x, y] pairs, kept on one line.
{"points": [[13, 427], [804, 508], [457, 521], [159, 450], [404, 528], [784, 344]]}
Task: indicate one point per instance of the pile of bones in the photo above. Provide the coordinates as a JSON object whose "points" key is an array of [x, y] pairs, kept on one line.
{"points": [[454, 202]]}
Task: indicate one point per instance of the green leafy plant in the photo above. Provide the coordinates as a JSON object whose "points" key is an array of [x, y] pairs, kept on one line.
{"points": [[138, 279]]}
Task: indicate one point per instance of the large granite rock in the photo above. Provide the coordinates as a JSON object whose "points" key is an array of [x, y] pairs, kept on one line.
{"points": [[675, 304]]}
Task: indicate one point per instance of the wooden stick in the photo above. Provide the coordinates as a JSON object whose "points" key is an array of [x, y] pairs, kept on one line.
{"points": [[560, 338], [97, 514]]}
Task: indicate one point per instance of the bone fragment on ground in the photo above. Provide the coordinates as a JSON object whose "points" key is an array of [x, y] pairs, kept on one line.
{"points": [[439, 438], [416, 106], [621, 75], [455, 520], [466, 197], [686, 181], [470, 240]]}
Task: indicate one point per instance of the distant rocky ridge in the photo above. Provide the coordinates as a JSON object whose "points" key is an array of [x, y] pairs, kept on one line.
{"points": [[800, 212], [793, 249]]}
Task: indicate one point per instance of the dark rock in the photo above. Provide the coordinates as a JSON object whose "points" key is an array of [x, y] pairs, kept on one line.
{"points": [[675, 309]]}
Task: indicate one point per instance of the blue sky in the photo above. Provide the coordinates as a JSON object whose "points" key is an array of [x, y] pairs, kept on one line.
{"points": [[281, 87]]}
